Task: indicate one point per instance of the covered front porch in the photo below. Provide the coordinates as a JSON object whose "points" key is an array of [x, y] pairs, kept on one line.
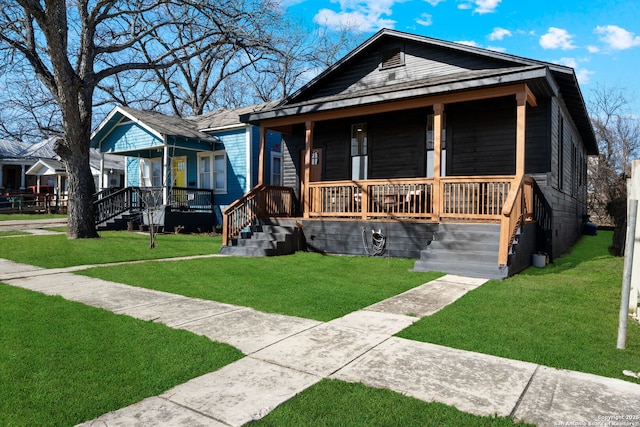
{"points": [[506, 201], [402, 139]]}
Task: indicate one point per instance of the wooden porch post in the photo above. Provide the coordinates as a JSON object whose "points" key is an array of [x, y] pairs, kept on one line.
{"points": [[521, 98], [262, 156], [438, 110], [306, 169]]}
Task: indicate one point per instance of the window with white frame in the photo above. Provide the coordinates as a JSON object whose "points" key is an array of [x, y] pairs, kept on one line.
{"points": [[212, 171], [151, 172], [204, 170], [220, 172], [276, 168]]}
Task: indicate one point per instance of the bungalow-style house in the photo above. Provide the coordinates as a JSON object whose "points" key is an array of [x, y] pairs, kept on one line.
{"points": [[16, 157], [185, 169], [36, 169], [468, 159]]}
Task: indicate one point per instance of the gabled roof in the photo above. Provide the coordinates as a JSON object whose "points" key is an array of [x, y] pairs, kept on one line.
{"points": [[545, 77], [56, 167], [158, 124], [47, 167], [226, 118]]}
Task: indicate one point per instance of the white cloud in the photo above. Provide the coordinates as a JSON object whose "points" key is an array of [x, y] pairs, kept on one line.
{"points": [[497, 49], [557, 38], [486, 6], [499, 34], [568, 62], [593, 49], [434, 2], [582, 74], [468, 43], [617, 38], [480, 6], [360, 15], [424, 19], [352, 20]]}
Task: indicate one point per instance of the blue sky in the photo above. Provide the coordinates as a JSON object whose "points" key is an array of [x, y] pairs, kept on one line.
{"points": [[600, 39]]}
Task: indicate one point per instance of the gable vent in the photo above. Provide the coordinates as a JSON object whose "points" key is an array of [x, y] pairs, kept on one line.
{"points": [[392, 58]]}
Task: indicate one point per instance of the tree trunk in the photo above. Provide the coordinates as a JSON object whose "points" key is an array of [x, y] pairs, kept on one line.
{"points": [[81, 188]]}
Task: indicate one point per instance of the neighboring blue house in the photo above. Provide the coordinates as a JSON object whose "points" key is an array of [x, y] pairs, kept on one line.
{"points": [[197, 166]]}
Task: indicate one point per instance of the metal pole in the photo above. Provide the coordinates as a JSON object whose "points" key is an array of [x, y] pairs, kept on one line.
{"points": [[626, 276]]}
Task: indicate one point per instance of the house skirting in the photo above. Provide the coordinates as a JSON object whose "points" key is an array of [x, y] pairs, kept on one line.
{"points": [[353, 237], [192, 222]]}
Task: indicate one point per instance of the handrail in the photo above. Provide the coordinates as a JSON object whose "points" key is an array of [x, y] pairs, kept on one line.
{"points": [[518, 207], [543, 215], [261, 201], [116, 202]]}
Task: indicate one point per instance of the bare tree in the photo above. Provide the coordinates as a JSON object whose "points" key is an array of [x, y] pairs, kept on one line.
{"points": [[302, 55], [618, 135], [74, 46]]}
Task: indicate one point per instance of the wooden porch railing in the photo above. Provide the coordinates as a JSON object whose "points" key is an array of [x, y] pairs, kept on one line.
{"points": [[109, 203], [383, 198], [518, 208], [460, 198], [260, 202], [507, 200]]}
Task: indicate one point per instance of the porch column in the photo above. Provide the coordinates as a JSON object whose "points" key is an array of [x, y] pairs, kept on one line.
{"points": [[101, 177], [165, 174], [1, 177], [22, 176], [262, 156], [306, 170], [438, 110], [521, 109]]}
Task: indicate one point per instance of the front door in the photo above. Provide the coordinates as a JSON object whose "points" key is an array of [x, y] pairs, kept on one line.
{"points": [[179, 171]]}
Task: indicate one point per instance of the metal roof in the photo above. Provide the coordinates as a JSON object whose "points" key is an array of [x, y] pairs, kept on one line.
{"points": [[24, 150]]}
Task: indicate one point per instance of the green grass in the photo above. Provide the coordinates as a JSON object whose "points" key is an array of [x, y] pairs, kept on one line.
{"points": [[340, 404], [62, 362], [12, 233], [62, 229], [16, 217], [565, 315], [53, 251], [307, 285]]}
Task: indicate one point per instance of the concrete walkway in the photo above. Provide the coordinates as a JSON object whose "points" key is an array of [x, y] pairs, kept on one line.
{"points": [[35, 226], [286, 355]]}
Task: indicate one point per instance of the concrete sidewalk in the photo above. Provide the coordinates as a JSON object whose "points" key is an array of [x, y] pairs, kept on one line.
{"points": [[286, 355]]}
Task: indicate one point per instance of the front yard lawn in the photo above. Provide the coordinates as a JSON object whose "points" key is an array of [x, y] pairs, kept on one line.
{"points": [[17, 216], [62, 363], [564, 315], [53, 251], [304, 284], [333, 403]]}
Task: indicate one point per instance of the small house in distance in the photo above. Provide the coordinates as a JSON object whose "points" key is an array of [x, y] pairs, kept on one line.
{"points": [[468, 159], [185, 170]]}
